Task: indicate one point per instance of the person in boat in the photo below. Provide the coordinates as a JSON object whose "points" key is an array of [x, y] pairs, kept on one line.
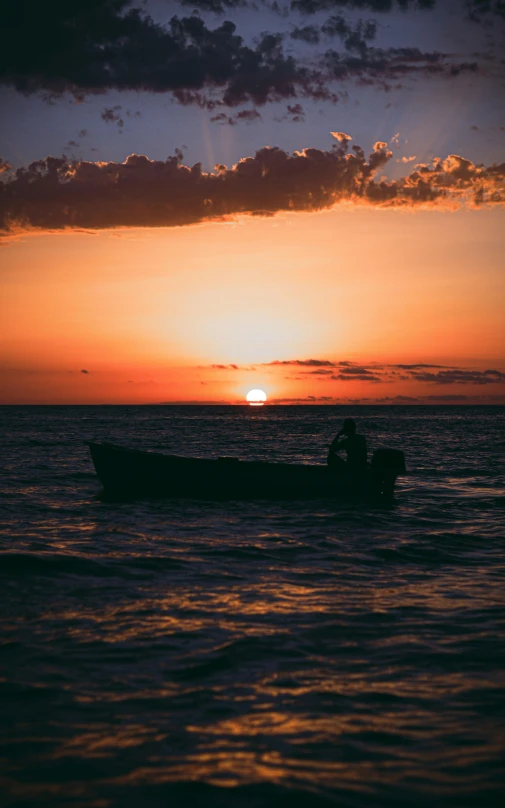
{"points": [[353, 444]]}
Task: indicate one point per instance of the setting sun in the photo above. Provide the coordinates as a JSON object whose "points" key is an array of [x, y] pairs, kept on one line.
{"points": [[256, 398]]}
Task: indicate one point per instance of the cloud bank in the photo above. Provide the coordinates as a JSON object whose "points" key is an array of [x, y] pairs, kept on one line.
{"points": [[57, 193], [92, 46], [325, 370]]}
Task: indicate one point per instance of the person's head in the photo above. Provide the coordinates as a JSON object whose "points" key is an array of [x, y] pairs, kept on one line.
{"points": [[349, 427]]}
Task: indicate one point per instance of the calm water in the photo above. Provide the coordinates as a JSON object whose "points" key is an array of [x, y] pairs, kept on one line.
{"points": [[181, 653]]}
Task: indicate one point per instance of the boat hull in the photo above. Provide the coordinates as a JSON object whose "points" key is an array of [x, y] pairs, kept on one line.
{"points": [[133, 473]]}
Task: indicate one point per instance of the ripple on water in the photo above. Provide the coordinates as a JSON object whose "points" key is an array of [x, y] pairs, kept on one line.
{"points": [[257, 653]]}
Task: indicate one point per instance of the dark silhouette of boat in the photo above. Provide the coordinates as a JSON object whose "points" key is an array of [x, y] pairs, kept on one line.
{"points": [[133, 473]]}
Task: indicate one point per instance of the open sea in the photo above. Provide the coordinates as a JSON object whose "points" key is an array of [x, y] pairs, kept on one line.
{"points": [[253, 654]]}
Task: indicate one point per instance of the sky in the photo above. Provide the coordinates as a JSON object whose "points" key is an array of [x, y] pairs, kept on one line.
{"points": [[202, 198]]}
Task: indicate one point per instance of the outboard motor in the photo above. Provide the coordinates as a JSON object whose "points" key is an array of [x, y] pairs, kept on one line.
{"points": [[388, 464]]}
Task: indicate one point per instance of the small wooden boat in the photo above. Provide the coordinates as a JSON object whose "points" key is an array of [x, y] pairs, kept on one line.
{"points": [[129, 472]]}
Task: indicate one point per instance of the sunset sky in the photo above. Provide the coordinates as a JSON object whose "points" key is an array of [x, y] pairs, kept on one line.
{"points": [[201, 198]]}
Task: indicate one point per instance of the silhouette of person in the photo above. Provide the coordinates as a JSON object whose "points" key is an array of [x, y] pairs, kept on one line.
{"points": [[353, 444]]}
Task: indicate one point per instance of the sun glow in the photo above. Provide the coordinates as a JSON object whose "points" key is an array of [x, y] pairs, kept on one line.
{"points": [[256, 398]]}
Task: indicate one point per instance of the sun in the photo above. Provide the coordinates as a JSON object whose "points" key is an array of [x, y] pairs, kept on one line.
{"points": [[256, 398]]}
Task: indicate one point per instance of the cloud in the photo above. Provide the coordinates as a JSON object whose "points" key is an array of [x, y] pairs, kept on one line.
{"points": [[370, 65], [341, 137], [354, 37], [304, 400], [84, 371], [57, 193], [306, 33], [115, 115], [303, 362], [459, 376], [357, 377], [326, 370], [418, 365], [382, 6], [355, 370], [347, 372], [87, 47], [225, 367], [448, 397], [478, 10], [216, 6], [378, 66], [246, 115], [112, 115], [296, 113], [83, 48], [4, 166]]}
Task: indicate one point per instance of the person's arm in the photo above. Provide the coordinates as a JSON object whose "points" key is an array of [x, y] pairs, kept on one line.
{"points": [[336, 445]]}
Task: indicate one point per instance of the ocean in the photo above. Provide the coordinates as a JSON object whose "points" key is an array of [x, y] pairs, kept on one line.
{"points": [[201, 653]]}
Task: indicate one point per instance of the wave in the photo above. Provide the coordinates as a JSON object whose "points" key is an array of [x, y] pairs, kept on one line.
{"points": [[49, 564]]}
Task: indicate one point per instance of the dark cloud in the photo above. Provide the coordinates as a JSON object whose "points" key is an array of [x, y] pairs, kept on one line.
{"points": [[226, 367], [401, 399], [91, 46], [347, 371], [476, 9], [116, 115], [377, 66], [354, 37], [366, 376], [479, 10], [112, 115], [418, 366], [304, 362], [84, 371], [427, 400], [216, 6], [459, 376], [380, 6], [244, 116], [386, 400], [355, 370], [248, 115], [305, 400], [448, 397], [296, 113], [325, 370], [306, 33], [57, 193], [222, 117]]}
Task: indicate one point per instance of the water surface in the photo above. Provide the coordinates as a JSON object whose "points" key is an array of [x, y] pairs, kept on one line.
{"points": [[177, 652]]}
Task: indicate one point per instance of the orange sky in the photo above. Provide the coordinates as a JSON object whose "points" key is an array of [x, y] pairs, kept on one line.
{"points": [[148, 312]]}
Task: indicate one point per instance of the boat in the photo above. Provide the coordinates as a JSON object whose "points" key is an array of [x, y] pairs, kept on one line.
{"points": [[135, 473]]}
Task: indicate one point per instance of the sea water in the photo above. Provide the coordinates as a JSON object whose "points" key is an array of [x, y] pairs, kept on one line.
{"points": [[186, 653]]}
